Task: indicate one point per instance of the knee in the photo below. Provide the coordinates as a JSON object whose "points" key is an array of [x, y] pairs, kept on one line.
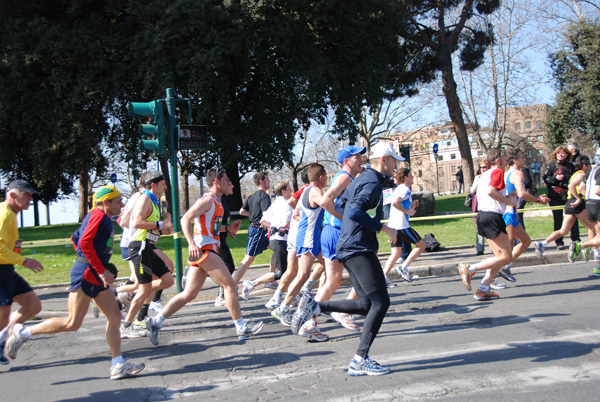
{"points": [[278, 274], [34, 307], [167, 281], [526, 242]]}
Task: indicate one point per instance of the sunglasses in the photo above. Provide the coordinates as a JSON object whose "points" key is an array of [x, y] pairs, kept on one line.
{"points": [[484, 167]]}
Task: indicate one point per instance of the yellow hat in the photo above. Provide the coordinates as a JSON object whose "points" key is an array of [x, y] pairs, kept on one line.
{"points": [[105, 193]]}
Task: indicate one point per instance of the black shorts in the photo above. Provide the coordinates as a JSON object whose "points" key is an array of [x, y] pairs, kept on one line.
{"points": [[409, 234], [146, 264], [490, 224], [89, 289], [569, 210], [11, 285], [593, 210]]}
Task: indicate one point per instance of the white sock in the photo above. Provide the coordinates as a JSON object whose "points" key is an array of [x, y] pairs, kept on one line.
{"points": [[239, 324], [277, 296], [484, 288], [358, 358], [283, 308], [544, 243], [308, 284], [158, 320], [26, 332], [507, 266], [117, 360], [404, 266]]}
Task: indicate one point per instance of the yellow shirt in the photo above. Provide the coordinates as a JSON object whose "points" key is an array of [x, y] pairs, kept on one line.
{"points": [[9, 234]]}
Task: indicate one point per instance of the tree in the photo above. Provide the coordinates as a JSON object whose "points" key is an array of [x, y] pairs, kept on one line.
{"points": [[440, 28], [576, 69]]}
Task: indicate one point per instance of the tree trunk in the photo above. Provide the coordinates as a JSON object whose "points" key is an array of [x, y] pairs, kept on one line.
{"points": [[185, 189], [456, 115], [164, 167], [48, 214], [235, 200], [36, 213], [84, 179]]}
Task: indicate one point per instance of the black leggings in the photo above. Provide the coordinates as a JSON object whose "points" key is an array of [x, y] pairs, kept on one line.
{"points": [[373, 299]]}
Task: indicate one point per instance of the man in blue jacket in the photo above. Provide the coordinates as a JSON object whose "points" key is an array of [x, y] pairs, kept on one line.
{"points": [[361, 206]]}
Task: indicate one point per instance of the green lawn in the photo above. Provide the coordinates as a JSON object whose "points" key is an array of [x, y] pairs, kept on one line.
{"points": [[58, 260]]}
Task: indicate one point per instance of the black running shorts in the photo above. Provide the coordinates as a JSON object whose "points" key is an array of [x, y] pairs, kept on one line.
{"points": [[490, 224]]}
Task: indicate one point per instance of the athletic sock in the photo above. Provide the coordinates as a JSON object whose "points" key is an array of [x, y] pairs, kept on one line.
{"points": [[473, 269], [143, 312], [277, 296], [26, 332], [309, 283], [157, 295], [544, 243], [507, 266], [359, 359], [283, 308], [484, 288], [158, 320], [117, 360], [239, 324], [4, 335], [221, 293], [404, 265]]}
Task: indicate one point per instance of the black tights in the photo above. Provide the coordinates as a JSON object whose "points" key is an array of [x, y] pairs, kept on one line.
{"points": [[373, 299]]}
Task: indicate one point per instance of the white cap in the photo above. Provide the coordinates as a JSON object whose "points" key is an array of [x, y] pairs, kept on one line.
{"points": [[384, 149]]}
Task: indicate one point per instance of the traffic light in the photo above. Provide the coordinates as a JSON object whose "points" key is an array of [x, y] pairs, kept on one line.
{"points": [[153, 131], [405, 152]]}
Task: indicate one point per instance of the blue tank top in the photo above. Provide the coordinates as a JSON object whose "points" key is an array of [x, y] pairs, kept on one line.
{"points": [[509, 189], [329, 219]]}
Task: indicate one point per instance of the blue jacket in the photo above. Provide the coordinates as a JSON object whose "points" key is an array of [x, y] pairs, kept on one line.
{"points": [[362, 208]]}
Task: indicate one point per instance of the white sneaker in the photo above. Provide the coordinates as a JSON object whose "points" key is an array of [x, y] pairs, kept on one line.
{"points": [[156, 306], [220, 301], [347, 321], [389, 283], [95, 310], [14, 341], [272, 305], [310, 330], [247, 288], [132, 333], [272, 285], [403, 272], [497, 285], [125, 369]]}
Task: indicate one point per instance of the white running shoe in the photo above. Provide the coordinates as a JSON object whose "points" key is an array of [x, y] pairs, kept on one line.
{"points": [[125, 369], [125, 298], [347, 321], [310, 330], [95, 310], [14, 341], [220, 301], [389, 283], [403, 272], [132, 333], [153, 330], [272, 285], [156, 306], [367, 367], [497, 285], [272, 305], [247, 288], [251, 328]]}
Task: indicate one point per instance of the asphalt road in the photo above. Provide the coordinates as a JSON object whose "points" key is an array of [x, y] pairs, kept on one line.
{"points": [[539, 341]]}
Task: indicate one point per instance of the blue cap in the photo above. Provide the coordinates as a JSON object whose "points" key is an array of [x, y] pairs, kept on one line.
{"points": [[348, 151]]}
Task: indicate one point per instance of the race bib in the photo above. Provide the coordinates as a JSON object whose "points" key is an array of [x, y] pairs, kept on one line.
{"points": [[387, 196]]}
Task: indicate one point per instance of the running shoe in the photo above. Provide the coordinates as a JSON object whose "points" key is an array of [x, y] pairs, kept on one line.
{"points": [[306, 310], [131, 333], [139, 325], [560, 247], [95, 309], [156, 306], [184, 277], [14, 341], [125, 369], [465, 274], [347, 321], [296, 300], [250, 328], [367, 367], [3, 359], [574, 251], [506, 274], [539, 248], [307, 287], [125, 298], [489, 295], [272, 285], [247, 288], [596, 272], [311, 330], [284, 318], [272, 305], [219, 301], [497, 285], [389, 283], [587, 253], [153, 330], [403, 272]]}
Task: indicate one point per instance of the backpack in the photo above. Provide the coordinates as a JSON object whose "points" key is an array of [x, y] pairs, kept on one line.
{"points": [[431, 244]]}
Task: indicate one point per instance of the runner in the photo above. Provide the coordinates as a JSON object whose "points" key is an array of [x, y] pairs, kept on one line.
{"points": [[13, 288], [357, 250], [515, 183], [277, 218], [403, 207], [491, 204], [91, 277], [146, 227], [592, 196], [203, 244]]}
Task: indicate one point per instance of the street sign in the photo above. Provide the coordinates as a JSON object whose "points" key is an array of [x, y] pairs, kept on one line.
{"points": [[435, 148], [192, 137], [113, 178]]}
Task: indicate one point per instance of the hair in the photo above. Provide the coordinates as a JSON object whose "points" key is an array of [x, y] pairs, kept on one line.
{"points": [[280, 186], [304, 175], [494, 154], [487, 162], [213, 174], [315, 170], [580, 161], [401, 174], [558, 149], [512, 154], [259, 176], [142, 183], [573, 145]]}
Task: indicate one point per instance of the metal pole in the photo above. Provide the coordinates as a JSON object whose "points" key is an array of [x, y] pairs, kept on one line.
{"points": [[170, 101], [437, 174]]}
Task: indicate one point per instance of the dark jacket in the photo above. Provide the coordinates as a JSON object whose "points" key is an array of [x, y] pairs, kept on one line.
{"points": [[557, 189], [361, 206]]}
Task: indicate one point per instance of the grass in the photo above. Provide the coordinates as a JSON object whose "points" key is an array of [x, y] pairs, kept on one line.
{"points": [[58, 260]]}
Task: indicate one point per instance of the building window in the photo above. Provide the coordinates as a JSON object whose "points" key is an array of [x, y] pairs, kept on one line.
{"points": [[452, 156], [420, 173], [529, 153], [440, 157], [448, 143], [538, 124], [540, 152], [517, 126], [540, 138], [440, 171], [528, 125], [453, 169], [420, 187]]}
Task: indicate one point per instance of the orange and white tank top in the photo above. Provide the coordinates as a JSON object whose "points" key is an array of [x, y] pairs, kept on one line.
{"points": [[207, 226]]}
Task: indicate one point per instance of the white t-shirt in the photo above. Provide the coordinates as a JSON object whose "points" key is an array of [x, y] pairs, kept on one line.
{"points": [[398, 219], [278, 215], [492, 177]]}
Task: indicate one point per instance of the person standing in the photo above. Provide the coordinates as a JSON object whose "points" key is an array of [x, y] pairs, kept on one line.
{"points": [[461, 180], [91, 277], [535, 169], [361, 207], [203, 244], [557, 181], [13, 288]]}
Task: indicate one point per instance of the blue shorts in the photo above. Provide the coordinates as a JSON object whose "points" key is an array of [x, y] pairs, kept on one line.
{"points": [[11, 285], [329, 240], [257, 241], [315, 251], [125, 253], [510, 219]]}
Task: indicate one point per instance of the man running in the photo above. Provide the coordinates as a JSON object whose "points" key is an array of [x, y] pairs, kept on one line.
{"points": [[357, 250], [13, 288], [203, 243], [91, 277]]}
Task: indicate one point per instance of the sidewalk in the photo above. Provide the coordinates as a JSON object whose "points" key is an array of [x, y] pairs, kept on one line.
{"points": [[444, 262]]}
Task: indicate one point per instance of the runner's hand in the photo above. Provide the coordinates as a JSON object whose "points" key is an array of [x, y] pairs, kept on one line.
{"points": [[107, 278], [33, 265]]}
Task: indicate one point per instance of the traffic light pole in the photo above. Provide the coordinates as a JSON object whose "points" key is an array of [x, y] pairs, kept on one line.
{"points": [[177, 235]]}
